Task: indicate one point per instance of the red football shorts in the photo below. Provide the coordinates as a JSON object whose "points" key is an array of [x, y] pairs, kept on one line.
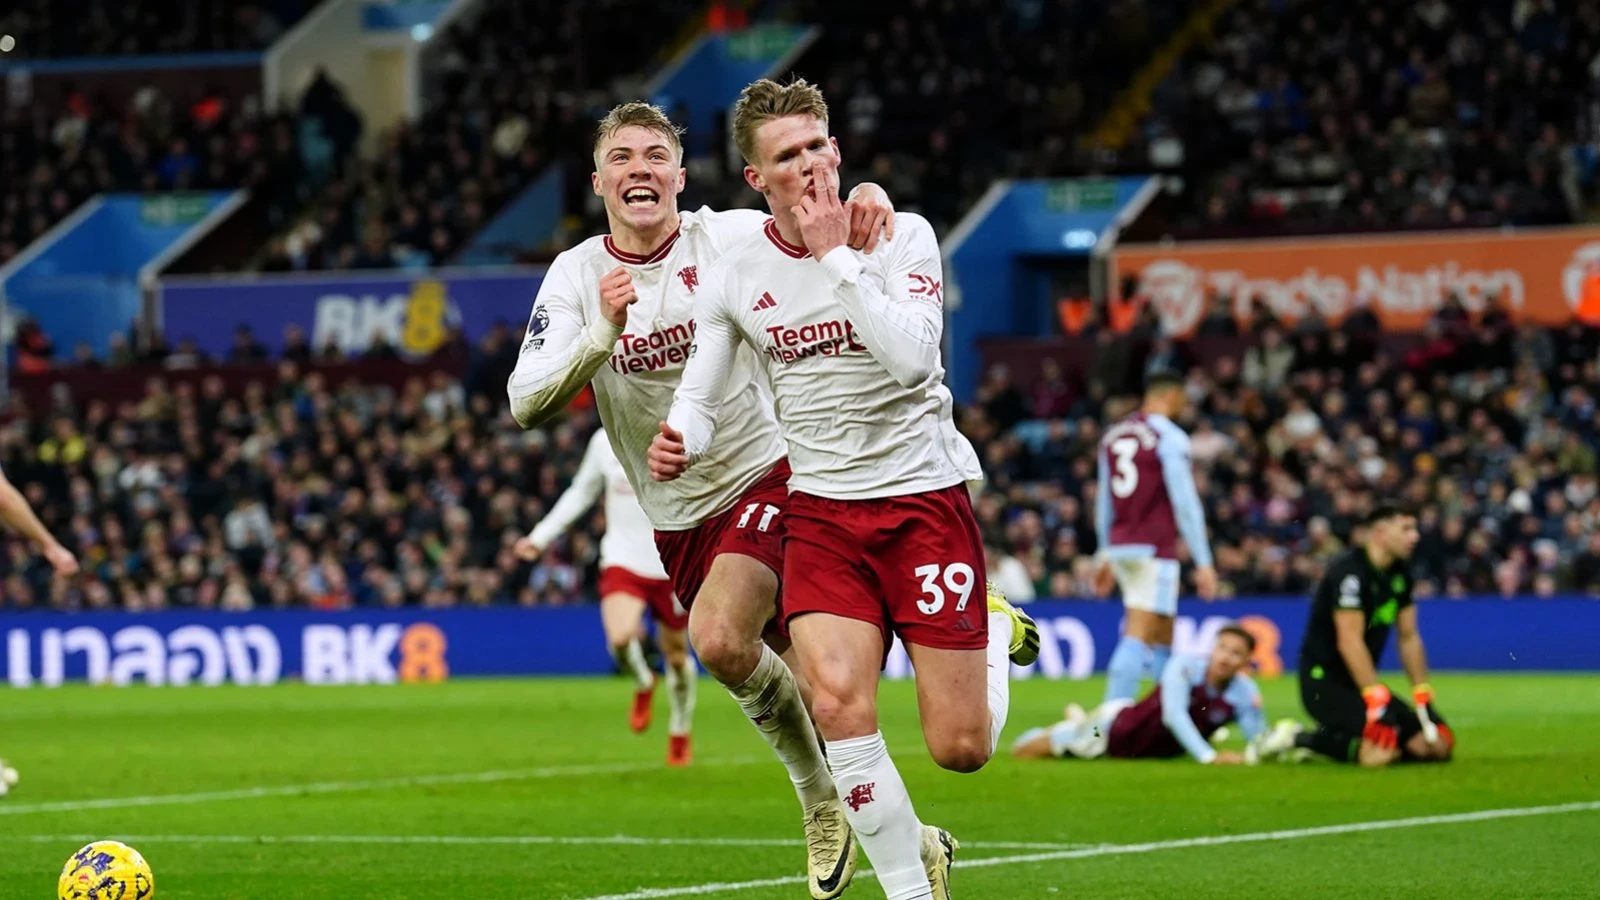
{"points": [[656, 593], [911, 565], [753, 526]]}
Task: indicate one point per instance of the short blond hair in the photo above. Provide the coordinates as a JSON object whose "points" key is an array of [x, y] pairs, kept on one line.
{"points": [[642, 114], [765, 100]]}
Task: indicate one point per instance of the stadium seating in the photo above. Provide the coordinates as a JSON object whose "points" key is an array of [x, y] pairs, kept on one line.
{"points": [[54, 158], [1381, 114], [50, 29], [523, 85], [1491, 433], [1004, 93], [406, 484], [351, 487]]}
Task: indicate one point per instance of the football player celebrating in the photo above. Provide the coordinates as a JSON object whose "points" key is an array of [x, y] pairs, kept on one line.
{"points": [[617, 311], [1195, 697], [1365, 593], [1146, 499], [631, 581], [881, 534]]}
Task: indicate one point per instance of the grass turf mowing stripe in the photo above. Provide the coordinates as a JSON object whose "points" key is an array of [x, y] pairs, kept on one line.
{"points": [[337, 787], [1289, 834], [468, 840]]}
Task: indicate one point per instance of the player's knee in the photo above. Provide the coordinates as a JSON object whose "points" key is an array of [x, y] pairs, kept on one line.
{"points": [[726, 654], [842, 712], [966, 751]]}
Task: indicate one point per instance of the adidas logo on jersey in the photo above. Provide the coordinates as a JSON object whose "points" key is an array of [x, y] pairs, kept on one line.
{"points": [[766, 302]]}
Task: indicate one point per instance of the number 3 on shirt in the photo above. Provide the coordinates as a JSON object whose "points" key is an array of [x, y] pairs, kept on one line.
{"points": [[958, 578], [1126, 478]]}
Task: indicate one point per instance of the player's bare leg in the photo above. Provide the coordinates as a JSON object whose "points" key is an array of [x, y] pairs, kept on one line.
{"points": [[622, 617], [726, 622], [964, 696], [842, 657], [1145, 647], [1035, 744], [681, 679]]}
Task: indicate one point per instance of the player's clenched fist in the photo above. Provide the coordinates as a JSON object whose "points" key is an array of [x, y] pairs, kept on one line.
{"points": [[667, 457], [62, 560], [824, 222], [616, 295], [871, 217]]}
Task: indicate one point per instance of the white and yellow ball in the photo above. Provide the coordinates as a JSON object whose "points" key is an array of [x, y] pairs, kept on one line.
{"points": [[107, 870]]}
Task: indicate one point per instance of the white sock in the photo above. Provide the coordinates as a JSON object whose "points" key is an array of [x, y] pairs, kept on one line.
{"points": [[680, 696], [770, 698], [1000, 633], [633, 655], [880, 811]]}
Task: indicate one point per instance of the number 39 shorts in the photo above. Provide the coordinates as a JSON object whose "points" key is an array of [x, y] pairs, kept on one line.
{"points": [[911, 565]]}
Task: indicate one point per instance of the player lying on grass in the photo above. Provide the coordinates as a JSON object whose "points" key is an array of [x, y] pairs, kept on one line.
{"points": [[1146, 500], [617, 311], [631, 582], [1195, 696], [1365, 593], [881, 537], [21, 519]]}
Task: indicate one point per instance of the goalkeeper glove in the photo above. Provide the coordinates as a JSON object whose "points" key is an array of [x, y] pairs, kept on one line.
{"points": [[1434, 728], [1380, 728]]}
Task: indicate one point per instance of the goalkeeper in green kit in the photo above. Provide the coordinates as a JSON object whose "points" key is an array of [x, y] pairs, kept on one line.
{"points": [[1365, 593]]}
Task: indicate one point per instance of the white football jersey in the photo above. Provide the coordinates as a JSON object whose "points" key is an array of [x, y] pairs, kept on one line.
{"points": [[636, 370], [630, 541], [851, 347]]}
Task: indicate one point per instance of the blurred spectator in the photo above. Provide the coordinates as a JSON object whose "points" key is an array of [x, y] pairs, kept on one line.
{"points": [[248, 351], [35, 349]]}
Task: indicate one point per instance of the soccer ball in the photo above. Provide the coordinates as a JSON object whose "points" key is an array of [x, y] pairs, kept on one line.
{"points": [[106, 870], [8, 778]]}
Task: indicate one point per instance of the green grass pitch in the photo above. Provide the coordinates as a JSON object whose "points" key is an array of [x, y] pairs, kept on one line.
{"points": [[475, 790]]}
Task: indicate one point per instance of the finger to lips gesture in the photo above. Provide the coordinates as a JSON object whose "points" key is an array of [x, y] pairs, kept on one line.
{"points": [[824, 222], [616, 295]]}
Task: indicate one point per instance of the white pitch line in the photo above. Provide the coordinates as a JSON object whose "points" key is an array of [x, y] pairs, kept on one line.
{"points": [[1147, 847], [338, 787], [467, 840]]}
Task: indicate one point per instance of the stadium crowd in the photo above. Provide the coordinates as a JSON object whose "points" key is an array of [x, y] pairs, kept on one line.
{"points": [[504, 109], [311, 494], [1383, 113], [1376, 113], [51, 29], [54, 158], [1487, 429], [952, 95]]}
